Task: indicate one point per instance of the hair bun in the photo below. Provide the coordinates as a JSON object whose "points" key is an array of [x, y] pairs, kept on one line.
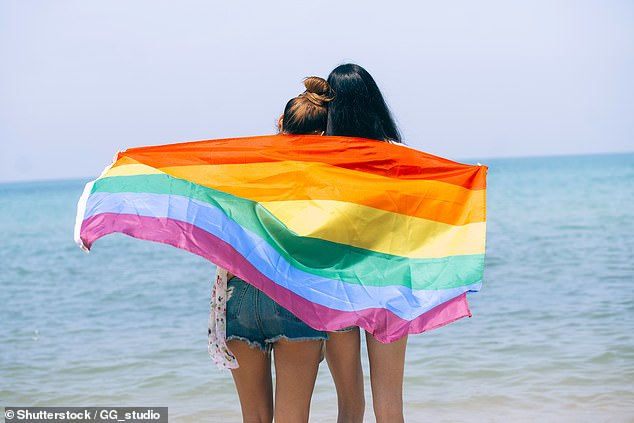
{"points": [[318, 90], [317, 85]]}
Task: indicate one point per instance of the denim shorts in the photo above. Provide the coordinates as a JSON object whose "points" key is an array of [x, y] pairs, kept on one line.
{"points": [[253, 317]]}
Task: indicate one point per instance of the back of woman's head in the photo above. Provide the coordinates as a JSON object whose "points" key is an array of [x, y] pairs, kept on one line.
{"points": [[359, 110], [308, 112]]}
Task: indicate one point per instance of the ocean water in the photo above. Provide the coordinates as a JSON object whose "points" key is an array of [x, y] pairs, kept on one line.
{"points": [[551, 339]]}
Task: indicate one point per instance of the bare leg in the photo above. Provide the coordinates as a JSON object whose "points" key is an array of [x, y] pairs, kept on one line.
{"points": [[253, 382], [343, 353], [296, 365], [387, 364]]}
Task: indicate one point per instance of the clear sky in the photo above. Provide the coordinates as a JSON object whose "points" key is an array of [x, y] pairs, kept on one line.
{"points": [[467, 80]]}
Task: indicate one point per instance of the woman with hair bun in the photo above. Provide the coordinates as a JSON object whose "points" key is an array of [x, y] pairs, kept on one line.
{"points": [[256, 325], [359, 110], [308, 112]]}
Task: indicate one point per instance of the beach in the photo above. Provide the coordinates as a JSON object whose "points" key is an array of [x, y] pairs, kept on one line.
{"points": [[550, 339]]}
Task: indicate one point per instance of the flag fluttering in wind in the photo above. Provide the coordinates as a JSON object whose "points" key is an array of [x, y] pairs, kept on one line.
{"points": [[340, 231]]}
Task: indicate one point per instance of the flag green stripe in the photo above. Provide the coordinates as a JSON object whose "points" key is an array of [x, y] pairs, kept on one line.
{"points": [[317, 256]]}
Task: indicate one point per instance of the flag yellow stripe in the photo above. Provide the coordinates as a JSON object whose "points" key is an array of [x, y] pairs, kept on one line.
{"points": [[378, 230]]}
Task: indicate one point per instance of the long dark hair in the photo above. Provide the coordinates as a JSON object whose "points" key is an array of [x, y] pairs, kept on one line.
{"points": [[358, 109]]}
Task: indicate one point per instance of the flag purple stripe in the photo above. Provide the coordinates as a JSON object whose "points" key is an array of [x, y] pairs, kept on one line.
{"points": [[383, 324], [333, 293]]}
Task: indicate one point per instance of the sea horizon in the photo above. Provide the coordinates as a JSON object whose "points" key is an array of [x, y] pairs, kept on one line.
{"points": [[470, 160]]}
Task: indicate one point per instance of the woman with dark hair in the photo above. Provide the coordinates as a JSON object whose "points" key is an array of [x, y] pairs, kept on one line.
{"points": [[359, 110]]}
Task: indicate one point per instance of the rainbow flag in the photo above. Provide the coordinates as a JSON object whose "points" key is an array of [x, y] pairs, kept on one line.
{"points": [[340, 231]]}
